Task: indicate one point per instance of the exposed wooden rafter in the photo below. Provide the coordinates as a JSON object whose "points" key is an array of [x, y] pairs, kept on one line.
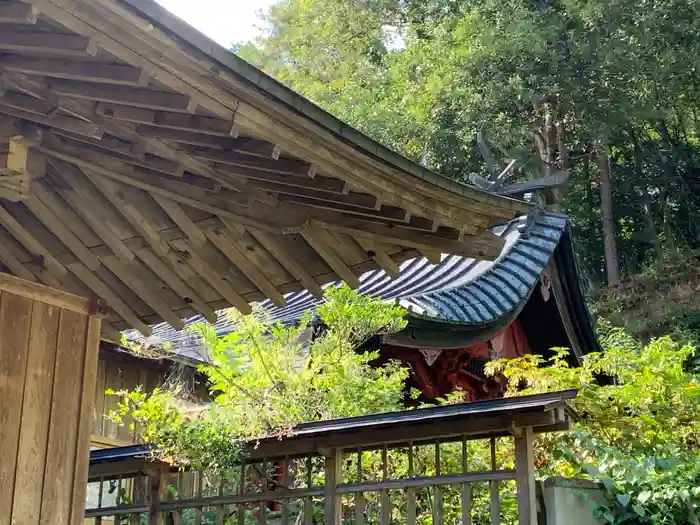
{"points": [[167, 183]]}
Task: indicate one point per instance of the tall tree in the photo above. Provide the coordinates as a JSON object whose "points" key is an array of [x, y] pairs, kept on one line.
{"points": [[546, 81]]}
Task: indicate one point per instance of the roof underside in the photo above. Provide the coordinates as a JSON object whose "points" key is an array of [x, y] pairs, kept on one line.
{"points": [[460, 291], [142, 164]]}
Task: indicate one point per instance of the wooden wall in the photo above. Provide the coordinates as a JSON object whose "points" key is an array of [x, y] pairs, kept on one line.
{"points": [[119, 371], [48, 365]]}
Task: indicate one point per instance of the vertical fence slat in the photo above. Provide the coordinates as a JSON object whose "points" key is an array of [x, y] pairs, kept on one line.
{"points": [[438, 510], [410, 493], [494, 489], [285, 485], [240, 509], [384, 502], [199, 481], [466, 488], [308, 501], [359, 496], [262, 509]]}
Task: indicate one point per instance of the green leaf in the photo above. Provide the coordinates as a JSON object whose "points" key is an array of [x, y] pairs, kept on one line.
{"points": [[644, 496], [623, 499]]}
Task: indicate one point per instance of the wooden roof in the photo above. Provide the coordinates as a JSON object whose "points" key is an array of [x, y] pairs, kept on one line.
{"points": [[145, 165]]}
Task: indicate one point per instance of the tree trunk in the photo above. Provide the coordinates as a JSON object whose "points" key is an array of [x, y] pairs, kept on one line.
{"points": [[612, 263], [646, 199]]}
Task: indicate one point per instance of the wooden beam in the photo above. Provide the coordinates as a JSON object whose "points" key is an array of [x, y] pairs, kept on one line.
{"points": [[377, 252], [27, 240], [485, 246], [359, 200], [74, 70], [246, 146], [18, 41], [287, 260], [82, 201], [130, 96], [213, 277], [14, 264], [177, 191], [108, 142], [168, 120], [110, 157], [238, 259], [18, 13], [54, 224], [326, 184], [144, 290], [109, 333], [233, 158], [181, 219], [34, 110], [126, 200], [18, 165], [314, 237], [391, 213], [433, 256], [115, 302], [179, 286]]}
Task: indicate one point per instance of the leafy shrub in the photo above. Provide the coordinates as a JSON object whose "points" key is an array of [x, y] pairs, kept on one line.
{"points": [[639, 434], [266, 377]]}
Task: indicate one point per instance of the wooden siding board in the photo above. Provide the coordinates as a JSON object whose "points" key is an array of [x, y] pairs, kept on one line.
{"points": [[15, 319], [98, 419], [82, 450], [36, 412], [65, 414]]}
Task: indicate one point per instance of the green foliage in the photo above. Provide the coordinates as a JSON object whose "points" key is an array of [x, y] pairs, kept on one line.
{"points": [[265, 377], [639, 435]]}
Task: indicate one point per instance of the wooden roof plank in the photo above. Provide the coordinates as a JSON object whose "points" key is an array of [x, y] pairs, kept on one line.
{"points": [[145, 290], [124, 200], [325, 184], [290, 166], [313, 236], [14, 265], [377, 252], [83, 204], [74, 70], [18, 13], [30, 243], [246, 146], [211, 276], [287, 260], [26, 108], [180, 217], [180, 287], [115, 302], [126, 95], [238, 259], [166, 120], [17, 41], [55, 225]]}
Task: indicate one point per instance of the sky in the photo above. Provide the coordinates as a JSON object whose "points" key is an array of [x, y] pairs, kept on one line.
{"points": [[225, 21]]}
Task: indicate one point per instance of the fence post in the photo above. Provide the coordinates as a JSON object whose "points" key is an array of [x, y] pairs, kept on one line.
{"points": [[525, 478], [333, 504], [159, 487]]}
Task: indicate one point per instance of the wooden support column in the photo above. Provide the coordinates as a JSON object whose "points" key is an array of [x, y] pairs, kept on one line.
{"points": [[49, 344], [525, 478]]}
